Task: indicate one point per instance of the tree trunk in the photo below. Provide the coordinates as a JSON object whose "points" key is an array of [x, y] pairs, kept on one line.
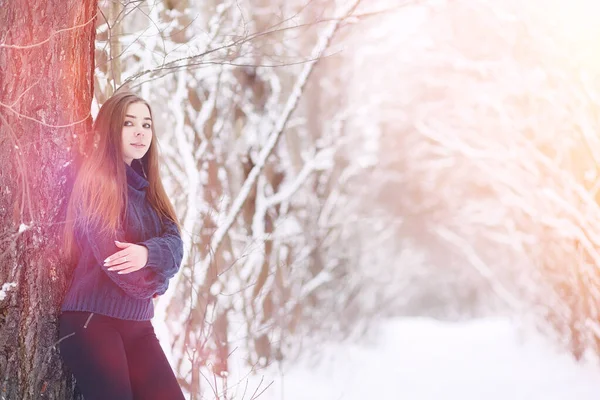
{"points": [[46, 82]]}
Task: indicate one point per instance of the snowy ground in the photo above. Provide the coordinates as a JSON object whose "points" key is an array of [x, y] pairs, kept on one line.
{"points": [[420, 359]]}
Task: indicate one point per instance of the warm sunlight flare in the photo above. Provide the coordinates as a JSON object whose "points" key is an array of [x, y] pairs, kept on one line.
{"points": [[577, 22]]}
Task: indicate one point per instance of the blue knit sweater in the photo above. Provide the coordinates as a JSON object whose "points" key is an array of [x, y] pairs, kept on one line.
{"points": [[126, 296]]}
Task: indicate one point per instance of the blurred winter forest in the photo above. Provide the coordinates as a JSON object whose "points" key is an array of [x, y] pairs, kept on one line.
{"points": [[442, 160], [335, 163]]}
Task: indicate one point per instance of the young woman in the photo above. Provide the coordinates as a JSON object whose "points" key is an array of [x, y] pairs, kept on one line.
{"points": [[123, 235]]}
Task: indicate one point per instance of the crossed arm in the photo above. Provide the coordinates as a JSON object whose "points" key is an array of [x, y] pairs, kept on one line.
{"points": [[138, 278]]}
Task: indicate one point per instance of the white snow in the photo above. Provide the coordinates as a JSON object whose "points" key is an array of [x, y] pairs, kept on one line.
{"points": [[23, 227], [422, 359], [5, 289]]}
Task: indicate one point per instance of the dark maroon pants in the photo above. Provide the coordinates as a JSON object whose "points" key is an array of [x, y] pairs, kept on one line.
{"points": [[115, 359]]}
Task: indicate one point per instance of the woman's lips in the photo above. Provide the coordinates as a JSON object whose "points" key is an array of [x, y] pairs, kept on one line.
{"points": [[139, 146]]}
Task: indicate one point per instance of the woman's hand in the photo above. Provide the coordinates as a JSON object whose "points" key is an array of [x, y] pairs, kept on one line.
{"points": [[132, 258]]}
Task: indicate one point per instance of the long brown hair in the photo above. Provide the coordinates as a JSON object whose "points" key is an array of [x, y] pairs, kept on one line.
{"points": [[99, 195]]}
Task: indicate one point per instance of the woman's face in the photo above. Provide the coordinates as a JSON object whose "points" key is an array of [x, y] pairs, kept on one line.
{"points": [[136, 134]]}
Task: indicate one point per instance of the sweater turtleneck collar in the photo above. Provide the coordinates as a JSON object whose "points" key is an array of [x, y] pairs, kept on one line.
{"points": [[135, 176]]}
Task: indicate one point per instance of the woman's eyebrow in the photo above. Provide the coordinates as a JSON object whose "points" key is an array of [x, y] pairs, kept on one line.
{"points": [[134, 117]]}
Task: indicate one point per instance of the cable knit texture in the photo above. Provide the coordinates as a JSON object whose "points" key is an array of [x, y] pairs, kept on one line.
{"points": [[126, 296]]}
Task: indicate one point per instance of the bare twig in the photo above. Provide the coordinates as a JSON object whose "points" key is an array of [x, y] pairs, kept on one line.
{"points": [[31, 46], [42, 122], [265, 152]]}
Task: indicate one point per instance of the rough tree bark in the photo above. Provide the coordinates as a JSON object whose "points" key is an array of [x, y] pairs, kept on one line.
{"points": [[46, 88]]}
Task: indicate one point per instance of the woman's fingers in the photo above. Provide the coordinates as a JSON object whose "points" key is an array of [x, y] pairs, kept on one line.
{"points": [[126, 268], [120, 267], [116, 259], [129, 270], [136, 258]]}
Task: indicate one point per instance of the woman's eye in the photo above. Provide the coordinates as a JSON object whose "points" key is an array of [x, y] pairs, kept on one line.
{"points": [[147, 126], [127, 123]]}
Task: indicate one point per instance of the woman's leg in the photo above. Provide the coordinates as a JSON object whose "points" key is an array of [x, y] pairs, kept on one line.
{"points": [[93, 349], [149, 371]]}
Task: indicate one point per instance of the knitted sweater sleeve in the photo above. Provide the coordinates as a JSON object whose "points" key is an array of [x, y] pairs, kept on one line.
{"points": [[165, 252], [140, 284]]}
